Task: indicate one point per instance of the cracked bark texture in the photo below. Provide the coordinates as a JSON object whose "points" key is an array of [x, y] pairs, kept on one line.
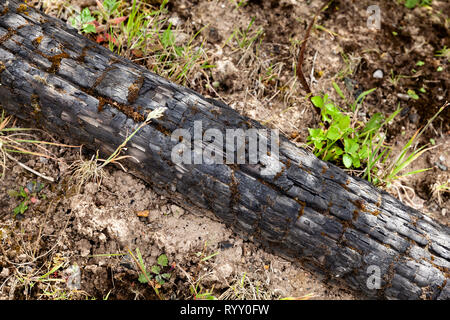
{"points": [[313, 212]]}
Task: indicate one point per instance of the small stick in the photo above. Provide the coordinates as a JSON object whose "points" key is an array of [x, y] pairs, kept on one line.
{"points": [[301, 57], [29, 169]]}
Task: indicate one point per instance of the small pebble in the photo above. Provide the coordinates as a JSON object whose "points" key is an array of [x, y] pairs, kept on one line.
{"points": [[176, 211], [442, 158], [4, 273], [403, 96], [441, 166], [378, 74]]}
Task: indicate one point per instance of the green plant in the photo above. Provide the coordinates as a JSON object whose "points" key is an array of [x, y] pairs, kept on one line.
{"points": [[411, 4], [444, 52], [394, 79], [27, 196], [244, 39], [240, 3], [245, 288], [339, 139], [407, 155], [156, 277], [82, 21], [156, 269], [413, 94]]}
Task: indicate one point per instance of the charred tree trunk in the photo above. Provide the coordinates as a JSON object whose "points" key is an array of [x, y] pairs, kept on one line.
{"points": [[335, 224]]}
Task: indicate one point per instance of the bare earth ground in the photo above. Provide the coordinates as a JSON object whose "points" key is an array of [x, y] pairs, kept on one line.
{"points": [[66, 229]]}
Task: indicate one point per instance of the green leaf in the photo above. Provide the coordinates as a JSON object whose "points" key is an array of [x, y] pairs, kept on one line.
{"points": [[159, 279], [317, 101], [110, 5], [356, 162], [22, 193], [333, 133], [363, 152], [318, 145], [142, 278], [163, 261], [156, 269], [338, 90], [413, 94], [338, 151], [89, 28], [411, 4], [350, 146], [374, 123], [333, 111], [344, 123], [166, 275], [347, 160], [86, 16], [363, 95]]}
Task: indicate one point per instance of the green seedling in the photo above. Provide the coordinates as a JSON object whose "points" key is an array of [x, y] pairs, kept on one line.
{"points": [[245, 38], [413, 94], [27, 196], [82, 21], [444, 52], [420, 63], [338, 140], [158, 273]]}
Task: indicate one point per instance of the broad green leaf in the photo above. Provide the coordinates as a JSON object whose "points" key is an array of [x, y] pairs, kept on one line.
{"points": [[356, 162], [338, 151], [333, 133], [347, 160], [163, 261], [344, 123], [89, 28], [86, 16], [332, 110], [317, 101], [318, 145]]}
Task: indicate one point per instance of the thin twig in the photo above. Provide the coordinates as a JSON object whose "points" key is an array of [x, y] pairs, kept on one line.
{"points": [[301, 57], [29, 169]]}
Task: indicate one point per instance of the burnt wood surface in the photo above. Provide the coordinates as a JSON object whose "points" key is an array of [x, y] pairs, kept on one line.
{"points": [[311, 211]]}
